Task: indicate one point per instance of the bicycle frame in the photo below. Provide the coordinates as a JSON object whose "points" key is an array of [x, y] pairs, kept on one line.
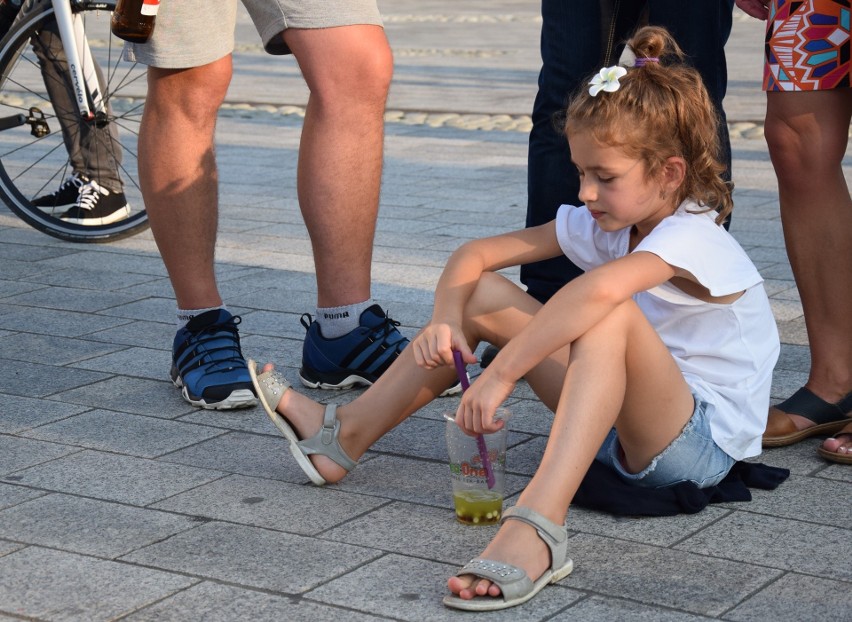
{"points": [[81, 68]]}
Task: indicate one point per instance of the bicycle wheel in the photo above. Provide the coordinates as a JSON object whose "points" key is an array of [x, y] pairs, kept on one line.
{"points": [[36, 133]]}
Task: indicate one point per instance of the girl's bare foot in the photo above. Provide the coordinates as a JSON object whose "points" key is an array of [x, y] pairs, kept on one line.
{"points": [[516, 543], [305, 417]]}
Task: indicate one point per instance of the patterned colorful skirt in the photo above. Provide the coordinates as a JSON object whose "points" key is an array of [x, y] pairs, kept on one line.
{"points": [[807, 45]]}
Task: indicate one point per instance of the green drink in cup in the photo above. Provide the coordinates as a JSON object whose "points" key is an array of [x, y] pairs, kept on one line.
{"points": [[475, 502]]}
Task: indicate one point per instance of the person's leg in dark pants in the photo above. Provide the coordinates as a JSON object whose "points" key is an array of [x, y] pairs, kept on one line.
{"points": [[702, 28], [570, 51]]}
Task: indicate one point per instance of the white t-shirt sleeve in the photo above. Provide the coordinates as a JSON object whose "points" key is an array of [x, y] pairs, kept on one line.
{"points": [[695, 243], [583, 242]]}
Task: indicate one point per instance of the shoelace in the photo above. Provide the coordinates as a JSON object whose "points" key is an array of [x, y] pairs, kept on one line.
{"points": [[75, 179], [207, 356], [90, 194], [385, 329]]}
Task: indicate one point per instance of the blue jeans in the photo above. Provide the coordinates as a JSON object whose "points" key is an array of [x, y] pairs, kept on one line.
{"points": [[578, 37], [692, 457]]}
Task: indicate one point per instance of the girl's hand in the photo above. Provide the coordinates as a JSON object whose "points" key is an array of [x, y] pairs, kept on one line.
{"points": [[475, 414], [755, 8], [433, 346]]}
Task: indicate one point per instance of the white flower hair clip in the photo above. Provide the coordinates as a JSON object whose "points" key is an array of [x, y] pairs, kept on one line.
{"points": [[607, 80]]}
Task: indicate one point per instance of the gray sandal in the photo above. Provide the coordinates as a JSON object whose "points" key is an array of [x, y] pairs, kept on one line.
{"points": [[515, 585], [270, 386]]}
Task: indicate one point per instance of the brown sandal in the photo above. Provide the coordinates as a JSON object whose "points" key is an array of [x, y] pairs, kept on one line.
{"points": [[829, 418]]}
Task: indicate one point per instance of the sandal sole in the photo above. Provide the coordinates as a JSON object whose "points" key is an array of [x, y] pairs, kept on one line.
{"points": [[281, 424], [822, 429]]}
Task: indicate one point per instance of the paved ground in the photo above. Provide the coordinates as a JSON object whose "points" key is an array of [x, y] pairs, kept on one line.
{"points": [[118, 501]]}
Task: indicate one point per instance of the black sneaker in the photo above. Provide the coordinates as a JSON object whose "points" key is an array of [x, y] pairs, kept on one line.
{"points": [[65, 197], [97, 206]]}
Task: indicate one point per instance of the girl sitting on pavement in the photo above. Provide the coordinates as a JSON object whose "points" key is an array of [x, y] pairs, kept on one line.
{"points": [[657, 361]]}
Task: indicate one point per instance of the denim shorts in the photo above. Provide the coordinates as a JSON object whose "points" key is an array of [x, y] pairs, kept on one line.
{"points": [[692, 457]]}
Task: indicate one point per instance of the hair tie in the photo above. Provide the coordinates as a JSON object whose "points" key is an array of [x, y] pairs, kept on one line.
{"points": [[629, 59], [641, 62]]}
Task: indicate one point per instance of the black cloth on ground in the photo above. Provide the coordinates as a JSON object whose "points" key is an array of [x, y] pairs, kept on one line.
{"points": [[603, 489]]}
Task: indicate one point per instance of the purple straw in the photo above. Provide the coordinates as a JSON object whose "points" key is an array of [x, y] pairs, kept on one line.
{"points": [[480, 440]]}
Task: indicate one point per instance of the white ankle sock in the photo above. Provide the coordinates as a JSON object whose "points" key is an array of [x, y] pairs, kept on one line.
{"points": [[337, 321], [185, 315]]}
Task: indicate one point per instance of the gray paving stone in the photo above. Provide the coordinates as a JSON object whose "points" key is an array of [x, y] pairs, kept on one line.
{"points": [[19, 453], [135, 435], [19, 269], [416, 530], [836, 472], [13, 495], [11, 288], [113, 477], [22, 413], [246, 454], [141, 333], [274, 324], [30, 252], [56, 322], [71, 299], [800, 459], [147, 309], [139, 396], [7, 547], [253, 557], [418, 597], [796, 597], [88, 526], [36, 348], [213, 602], [664, 577], [135, 263], [82, 588], [299, 509], [597, 609], [810, 499], [776, 542], [104, 279], [34, 380], [657, 530], [133, 361], [253, 420]]}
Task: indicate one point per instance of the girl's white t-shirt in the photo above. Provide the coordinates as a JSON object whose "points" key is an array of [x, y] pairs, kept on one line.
{"points": [[726, 352]]}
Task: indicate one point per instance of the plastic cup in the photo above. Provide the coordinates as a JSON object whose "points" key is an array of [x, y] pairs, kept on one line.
{"points": [[475, 502]]}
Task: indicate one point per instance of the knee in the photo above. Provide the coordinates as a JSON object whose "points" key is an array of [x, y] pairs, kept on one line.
{"points": [[361, 82], [800, 150], [193, 95]]}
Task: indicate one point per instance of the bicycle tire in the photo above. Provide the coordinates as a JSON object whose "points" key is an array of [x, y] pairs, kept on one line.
{"points": [[32, 166]]}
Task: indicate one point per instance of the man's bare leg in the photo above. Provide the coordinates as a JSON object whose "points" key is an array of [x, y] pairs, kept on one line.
{"points": [[348, 70], [177, 173]]}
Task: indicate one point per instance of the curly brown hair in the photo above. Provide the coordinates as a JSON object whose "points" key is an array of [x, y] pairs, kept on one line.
{"points": [[660, 110]]}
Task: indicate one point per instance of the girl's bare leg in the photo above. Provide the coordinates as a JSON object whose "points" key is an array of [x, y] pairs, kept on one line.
{"points": [[496, 312], [619, 374]]}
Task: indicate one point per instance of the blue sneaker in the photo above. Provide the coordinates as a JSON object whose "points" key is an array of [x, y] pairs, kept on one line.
{"points": [[208, 365], [357, 358]]}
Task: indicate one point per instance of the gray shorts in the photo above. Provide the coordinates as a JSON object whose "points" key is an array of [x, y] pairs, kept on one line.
{"points": [[191, 33]]}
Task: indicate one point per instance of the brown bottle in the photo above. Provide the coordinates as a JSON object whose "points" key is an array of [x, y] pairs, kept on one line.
{"points": [[133, 20]]}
